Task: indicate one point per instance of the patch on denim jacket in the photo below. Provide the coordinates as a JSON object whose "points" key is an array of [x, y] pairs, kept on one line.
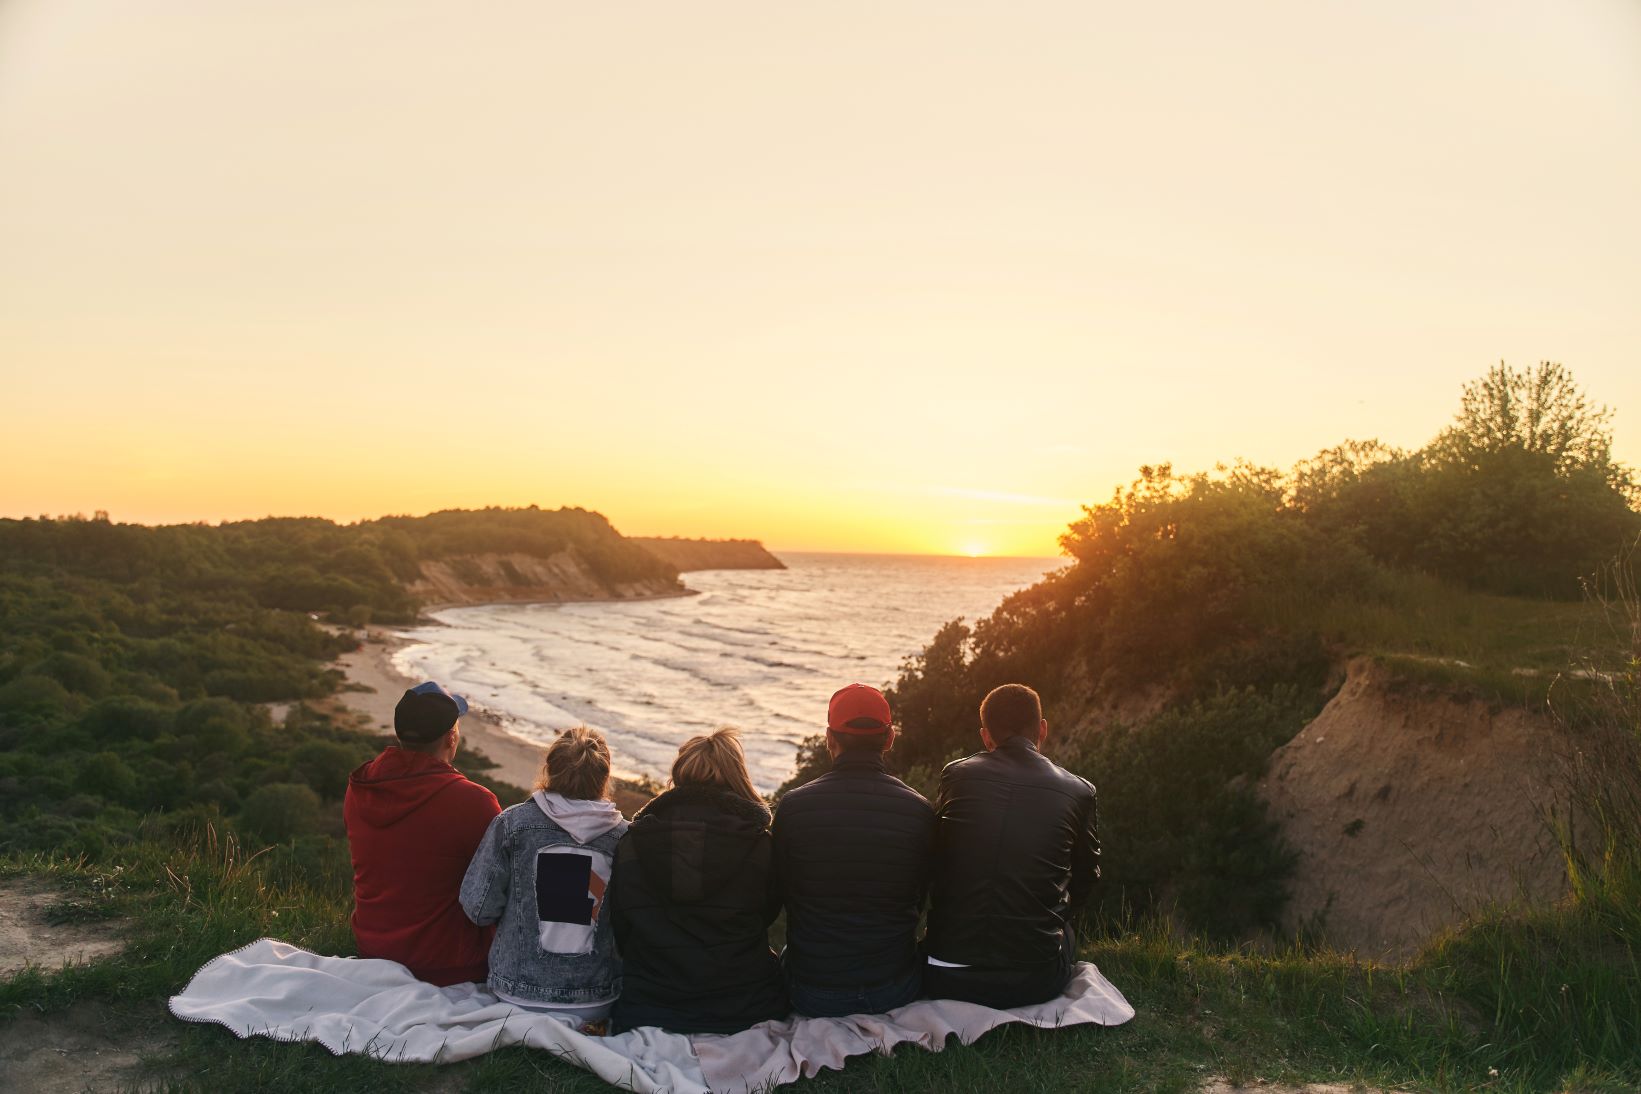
{"points": [[570, 883]]}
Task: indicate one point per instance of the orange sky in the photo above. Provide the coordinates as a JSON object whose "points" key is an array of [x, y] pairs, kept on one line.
{"points": [[912, 277]]}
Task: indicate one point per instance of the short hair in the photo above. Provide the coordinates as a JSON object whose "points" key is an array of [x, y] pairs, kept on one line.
{"points": [[861, 742], [1011, 710], [424, 747], [715, 759], [577, 765]]}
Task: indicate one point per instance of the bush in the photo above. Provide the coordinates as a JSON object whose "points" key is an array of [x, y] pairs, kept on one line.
{"points": [[936, 702], [126, 719], [1179, 824], [109, 777], [279, 812], [70, 837], [325, 766], [220, 793], [265, 686], [33, 698], [214, 725], [77, 673], [1519, 496]]}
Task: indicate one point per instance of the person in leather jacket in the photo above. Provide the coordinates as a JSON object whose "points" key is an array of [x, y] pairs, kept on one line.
{"points": [[853, 849], [1017, 854]]}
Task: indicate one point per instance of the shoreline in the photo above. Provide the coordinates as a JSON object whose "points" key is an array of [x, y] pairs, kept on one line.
{"points": [[428, 609], [517, 760]]}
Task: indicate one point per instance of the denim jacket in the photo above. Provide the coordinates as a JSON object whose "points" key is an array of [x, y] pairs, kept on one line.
{"points": [[545, 888]]}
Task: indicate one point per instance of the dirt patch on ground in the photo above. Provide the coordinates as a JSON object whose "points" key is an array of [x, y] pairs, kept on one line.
{"points": [[87, 1047], [27, 938], [1412, 810]]}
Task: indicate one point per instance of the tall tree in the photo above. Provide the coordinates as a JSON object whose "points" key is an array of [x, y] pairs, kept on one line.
{"points": [[1539, 410]]}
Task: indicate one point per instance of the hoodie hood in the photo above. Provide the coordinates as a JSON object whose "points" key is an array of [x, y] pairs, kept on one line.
{"points": [[397, 783], [584, 820]]}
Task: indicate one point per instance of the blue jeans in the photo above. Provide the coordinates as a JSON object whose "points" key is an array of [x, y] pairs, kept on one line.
{"points": [[814, 1002]]}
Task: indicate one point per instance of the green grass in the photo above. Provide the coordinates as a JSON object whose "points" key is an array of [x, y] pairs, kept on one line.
{"points": [[1509, 651], [1551, 1001], [1417, 617]]}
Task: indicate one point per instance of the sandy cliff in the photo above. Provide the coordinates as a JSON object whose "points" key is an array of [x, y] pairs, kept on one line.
{"points": [[1411, 809], [710, 554], [492, 577]]}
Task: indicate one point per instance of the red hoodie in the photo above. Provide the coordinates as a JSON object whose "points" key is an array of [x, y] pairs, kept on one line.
{"points": [[413, 825]]}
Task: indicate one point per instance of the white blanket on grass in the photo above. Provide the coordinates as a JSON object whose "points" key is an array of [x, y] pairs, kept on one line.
{"points": [[376, 1008]]}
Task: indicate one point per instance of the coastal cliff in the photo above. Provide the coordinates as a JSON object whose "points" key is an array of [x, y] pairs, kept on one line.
{"points": [[1410, 810], [515, 577], [710, 554]]}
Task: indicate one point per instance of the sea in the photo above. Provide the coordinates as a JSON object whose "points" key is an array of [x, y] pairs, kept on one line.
{"points": [[761, 650]]}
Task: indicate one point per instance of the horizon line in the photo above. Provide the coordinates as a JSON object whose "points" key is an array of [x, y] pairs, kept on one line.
{"points": [[219, 522]]}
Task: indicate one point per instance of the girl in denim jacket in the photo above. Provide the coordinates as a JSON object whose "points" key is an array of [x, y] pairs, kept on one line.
{"points": [[540, 873]]}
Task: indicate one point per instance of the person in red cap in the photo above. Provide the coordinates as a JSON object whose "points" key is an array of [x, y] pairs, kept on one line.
{"points": [[853, 851], [413, 824]]}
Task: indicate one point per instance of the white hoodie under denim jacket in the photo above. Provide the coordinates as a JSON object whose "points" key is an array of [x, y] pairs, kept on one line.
{"points": [[540, 873]]}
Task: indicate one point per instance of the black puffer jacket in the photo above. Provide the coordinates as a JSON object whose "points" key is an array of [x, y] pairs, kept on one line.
{"points": [[853, 852], [691, 899], [1017, 852]]}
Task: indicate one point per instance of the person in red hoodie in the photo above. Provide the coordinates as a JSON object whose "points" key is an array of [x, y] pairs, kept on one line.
{"points": [[413, 824]]}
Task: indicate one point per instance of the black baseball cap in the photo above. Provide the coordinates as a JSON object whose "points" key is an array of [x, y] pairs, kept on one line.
{"points": [[426, 712]]}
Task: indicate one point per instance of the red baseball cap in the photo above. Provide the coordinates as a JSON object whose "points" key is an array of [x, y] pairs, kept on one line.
{"points": [[858, 708]]}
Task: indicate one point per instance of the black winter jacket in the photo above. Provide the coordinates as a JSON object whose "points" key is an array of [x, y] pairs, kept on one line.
{"points": [[1017, 853], [690, 899], [853, 852]]}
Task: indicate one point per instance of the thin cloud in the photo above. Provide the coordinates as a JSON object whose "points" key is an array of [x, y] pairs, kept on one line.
{"points": [[1004, 497]]}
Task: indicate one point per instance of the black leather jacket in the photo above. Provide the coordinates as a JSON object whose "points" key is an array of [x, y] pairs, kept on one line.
{"points": [[1017, 853], [853, 852], [690, 901]]}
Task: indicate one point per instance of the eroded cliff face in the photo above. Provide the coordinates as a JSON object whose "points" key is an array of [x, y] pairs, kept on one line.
{"points": [[710, 554], [1410, 810], [491, 578]]}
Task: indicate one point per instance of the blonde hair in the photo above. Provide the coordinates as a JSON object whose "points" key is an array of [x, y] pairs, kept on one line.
{"points": [[577, 765], [715, 760]]}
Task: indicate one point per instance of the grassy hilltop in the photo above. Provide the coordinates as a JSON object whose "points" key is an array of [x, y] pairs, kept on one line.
{"points": [[1202, 621]]}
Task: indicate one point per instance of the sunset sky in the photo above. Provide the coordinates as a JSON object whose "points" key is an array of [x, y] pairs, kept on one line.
{"points": [[857, 276]]}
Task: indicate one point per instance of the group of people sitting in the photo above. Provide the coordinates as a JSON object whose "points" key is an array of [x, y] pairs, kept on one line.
{"points": [[565, 907]]}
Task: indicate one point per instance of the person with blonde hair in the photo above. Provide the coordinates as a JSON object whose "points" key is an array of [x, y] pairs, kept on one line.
{"points": [[542, 875], [692, 899]]}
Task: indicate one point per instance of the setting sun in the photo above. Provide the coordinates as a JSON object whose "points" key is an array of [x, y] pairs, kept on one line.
{"points": [[974, 550]]}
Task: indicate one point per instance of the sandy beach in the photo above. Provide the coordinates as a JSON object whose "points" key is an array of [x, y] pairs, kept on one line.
{"points": [[517, 760], [371, 665]]}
